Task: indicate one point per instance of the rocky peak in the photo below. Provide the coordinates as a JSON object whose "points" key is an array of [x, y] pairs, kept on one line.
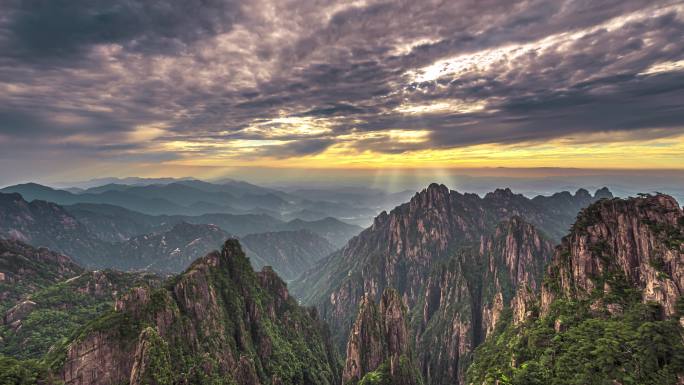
{"points": [[379, 341], [434, 195], [603, 193], [217, 320], [455, 259], [501, 193], [637, 241], [582, 194]]}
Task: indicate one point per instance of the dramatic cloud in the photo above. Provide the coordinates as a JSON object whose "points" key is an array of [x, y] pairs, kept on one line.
{"points": [[224, 82]]}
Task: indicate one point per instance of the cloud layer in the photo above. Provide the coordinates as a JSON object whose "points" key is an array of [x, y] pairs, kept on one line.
{"points": [[230, 81]]}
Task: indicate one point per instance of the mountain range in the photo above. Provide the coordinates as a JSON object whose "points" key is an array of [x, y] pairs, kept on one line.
{"points": [[194, 197], [105, 236], [452, 257], [448, 287]]}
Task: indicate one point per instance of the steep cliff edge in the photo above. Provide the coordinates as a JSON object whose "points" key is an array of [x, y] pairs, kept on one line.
{"points": [[455, 259], [610, 308], [379, 347], [218, 322], [465, 298], [635, 242]]}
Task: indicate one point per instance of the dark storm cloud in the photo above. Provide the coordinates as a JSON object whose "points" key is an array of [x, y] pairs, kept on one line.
{"points": [[98, 75], [52, 28]]}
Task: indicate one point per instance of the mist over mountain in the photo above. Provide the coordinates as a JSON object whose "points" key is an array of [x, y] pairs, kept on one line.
{"points": [[108, 236]]}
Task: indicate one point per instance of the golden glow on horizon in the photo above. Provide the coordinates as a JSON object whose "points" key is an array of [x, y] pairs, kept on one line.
{"points": [[586, 152]]}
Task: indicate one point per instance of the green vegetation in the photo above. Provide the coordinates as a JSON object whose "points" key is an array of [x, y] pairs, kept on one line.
{"points": [[604, 337], [63, 308], [569, 346], [27, 372], [405, 373]]}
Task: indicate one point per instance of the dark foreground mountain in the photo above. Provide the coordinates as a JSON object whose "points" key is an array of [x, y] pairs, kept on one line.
{"points": [[219, 322], [610, 310], [456, 260], [379, 347], [45, 297]]}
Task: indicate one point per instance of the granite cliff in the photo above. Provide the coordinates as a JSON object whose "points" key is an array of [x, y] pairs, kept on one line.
{"points": [[379, 347], [455, 259], [610, 309]]}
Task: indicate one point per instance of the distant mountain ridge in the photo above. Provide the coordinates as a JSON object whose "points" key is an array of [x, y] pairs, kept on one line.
{"points": [[101, 236], [195, 197], [290, 253]]}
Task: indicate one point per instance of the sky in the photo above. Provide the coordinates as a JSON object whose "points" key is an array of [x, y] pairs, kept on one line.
{"points": [[209, 88]]}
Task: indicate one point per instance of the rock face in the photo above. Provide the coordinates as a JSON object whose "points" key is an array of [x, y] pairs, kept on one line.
{"points": [[610, 308], [290, 253], [457, 257], [465, 297], [380, 337], [638, 241], [218, 322]]}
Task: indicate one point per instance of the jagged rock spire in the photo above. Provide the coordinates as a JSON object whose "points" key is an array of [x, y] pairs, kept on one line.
{"points": [[379, 341]]}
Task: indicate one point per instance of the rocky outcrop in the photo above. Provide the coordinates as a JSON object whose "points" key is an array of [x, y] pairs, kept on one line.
{"points": [[152, 361], [217, 320], [523, 305], [15, 314], [610, 306], [96, 359], [380, 342], [465, 298], [638, 242], [458, 258]]}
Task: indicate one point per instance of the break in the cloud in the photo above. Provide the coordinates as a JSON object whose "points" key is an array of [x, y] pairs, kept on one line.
{"points": [[329, 83]]}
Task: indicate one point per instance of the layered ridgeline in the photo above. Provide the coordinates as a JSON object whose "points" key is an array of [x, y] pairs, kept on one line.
{"points": [[379, 348], [610, 310], [217, 322], [45, 297], [102, 236], [456, 260]]}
